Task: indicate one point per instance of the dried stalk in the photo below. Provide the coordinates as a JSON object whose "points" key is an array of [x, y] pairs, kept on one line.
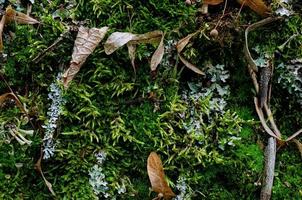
{"points": [[262, 120]]}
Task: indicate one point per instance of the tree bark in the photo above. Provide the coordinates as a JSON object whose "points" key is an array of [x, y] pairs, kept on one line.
{"points": [[270, 158]]}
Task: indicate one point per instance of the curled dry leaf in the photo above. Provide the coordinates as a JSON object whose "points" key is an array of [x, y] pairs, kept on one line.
{"points": [[21, 18], [131, 52], [158, 55], [119, 39], [85, 43], [2, 23], [181, 44], [157, 177], [13, 16], [12, 96], [256, 5]]}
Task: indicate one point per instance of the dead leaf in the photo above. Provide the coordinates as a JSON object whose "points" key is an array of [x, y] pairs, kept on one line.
{"points": [[157, 177], [13, 16], [39, 169], [12, 96], [131, 52], [212, 2], [158, 55], [119, 39], [181, 44], [21, 18], [2, 23], [85, 43], [256, 5]]}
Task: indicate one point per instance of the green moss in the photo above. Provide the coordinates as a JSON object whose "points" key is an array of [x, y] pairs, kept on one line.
{"points": [[110, 109]]}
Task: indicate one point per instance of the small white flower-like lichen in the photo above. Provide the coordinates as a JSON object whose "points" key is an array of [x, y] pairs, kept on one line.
{"points": [[54, 111], [185, 192], [284, 8], [213, 97], [97, 178]]}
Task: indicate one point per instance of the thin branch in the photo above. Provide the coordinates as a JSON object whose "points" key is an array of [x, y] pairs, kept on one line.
{"points": [[294, 135], [41, 55], [223, 12], [262, 120], [270, 159], [271, 120]]}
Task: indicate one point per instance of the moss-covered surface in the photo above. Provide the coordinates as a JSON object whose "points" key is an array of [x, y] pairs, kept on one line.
{"points": [[109, 110]]}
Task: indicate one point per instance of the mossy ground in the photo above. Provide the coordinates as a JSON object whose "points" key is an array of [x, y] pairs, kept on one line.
{"points": [[108, 109]]}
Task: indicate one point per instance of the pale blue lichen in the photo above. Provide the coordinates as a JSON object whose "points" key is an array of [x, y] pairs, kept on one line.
{"points": [[185, 191], [97, 178], [290, 77], [54, 111]]}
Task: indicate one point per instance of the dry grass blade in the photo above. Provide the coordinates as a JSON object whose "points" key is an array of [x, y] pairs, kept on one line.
{"points": [[294, 135], [39, 169], [157, 177], [262, 120], [299, 146], [190, 65], [21, 18], [181, 44], [256, 5], [85, 43]]}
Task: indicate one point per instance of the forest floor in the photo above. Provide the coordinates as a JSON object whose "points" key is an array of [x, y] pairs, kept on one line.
{"points": [[80, 113]]}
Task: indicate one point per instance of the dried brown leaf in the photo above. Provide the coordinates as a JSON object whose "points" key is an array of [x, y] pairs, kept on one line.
{"points": [[85, 43], [158, 55], [256, 5], [157, 177], [39, 169], [190, 65], [131, 52], [212, 2], [181, 44], [119, 39], [21, 18], [12, 96], [2, 23]]}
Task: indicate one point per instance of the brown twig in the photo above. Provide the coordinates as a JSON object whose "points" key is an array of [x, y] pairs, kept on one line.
{"points": [[20, 105], [223, 13], [41, 55]]}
